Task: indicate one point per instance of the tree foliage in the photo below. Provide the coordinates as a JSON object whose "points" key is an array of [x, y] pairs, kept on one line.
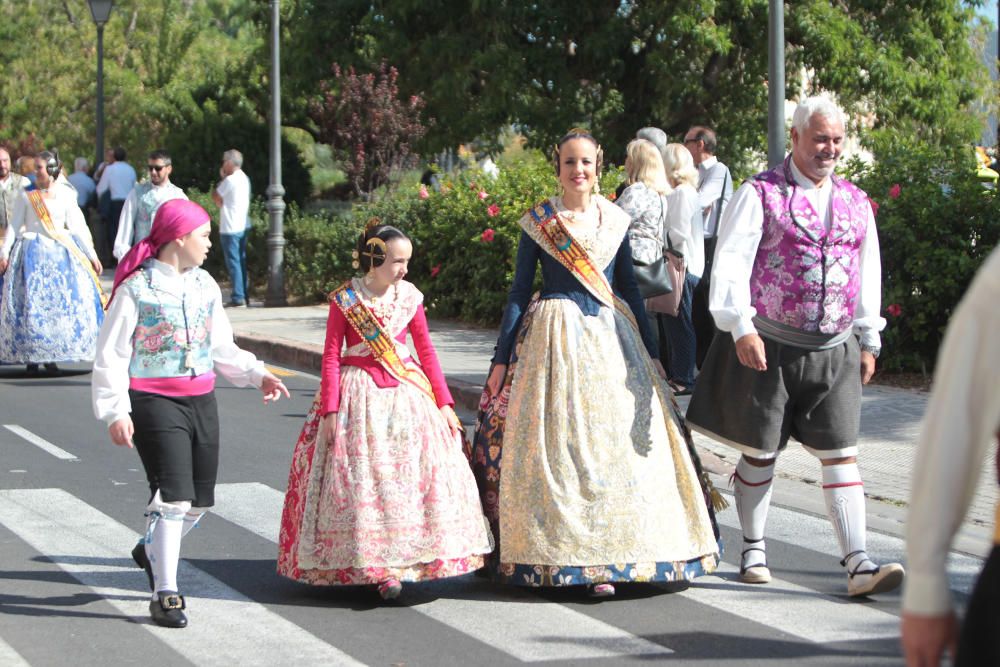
{"points": [[617, 66], [362, 117]]}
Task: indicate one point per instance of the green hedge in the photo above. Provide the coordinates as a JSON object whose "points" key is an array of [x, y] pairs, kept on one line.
{"points": [[465, 233], [936, 225]]}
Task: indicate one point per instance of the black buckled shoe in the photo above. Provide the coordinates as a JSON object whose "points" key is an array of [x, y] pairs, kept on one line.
{"points": [[139, 556], [168, 610]]}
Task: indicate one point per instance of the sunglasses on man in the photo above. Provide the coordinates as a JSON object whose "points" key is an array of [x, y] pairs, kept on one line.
{"points": [[157, 167]]}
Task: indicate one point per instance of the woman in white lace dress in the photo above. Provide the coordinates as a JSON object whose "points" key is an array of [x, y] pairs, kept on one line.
{"points": [[51, 303]]}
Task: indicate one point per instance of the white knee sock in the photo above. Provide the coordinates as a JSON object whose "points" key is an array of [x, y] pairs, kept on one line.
{"points": [[163, 549], [752, 491], [845, 503]]}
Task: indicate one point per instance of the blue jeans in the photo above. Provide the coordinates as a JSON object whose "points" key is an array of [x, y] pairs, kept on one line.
{"points": [[234, 251], [681, 338]]}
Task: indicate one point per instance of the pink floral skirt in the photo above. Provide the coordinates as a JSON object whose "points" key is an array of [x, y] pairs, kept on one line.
{"points": [[393, 496]]}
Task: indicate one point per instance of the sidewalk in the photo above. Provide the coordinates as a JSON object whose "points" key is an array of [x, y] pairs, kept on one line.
{"points": [[890, 417]]}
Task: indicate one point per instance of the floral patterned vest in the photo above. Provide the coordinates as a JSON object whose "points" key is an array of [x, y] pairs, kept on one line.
{"points": [[161, 342], [804, 276]]}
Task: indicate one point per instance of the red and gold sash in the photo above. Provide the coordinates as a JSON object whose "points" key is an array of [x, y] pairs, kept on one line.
{"points": [[42, 211], [549, 231], [378, 340]]}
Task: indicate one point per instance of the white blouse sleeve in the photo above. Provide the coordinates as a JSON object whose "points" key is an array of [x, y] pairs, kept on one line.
{"points": [[238, 366], [867, 321], [77, 226], [740, 231], [109, 381]]}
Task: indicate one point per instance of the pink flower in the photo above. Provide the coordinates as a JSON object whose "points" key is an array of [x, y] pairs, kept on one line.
{"points": [[423, 192], [482, 194], [894, 309], [435, 270], [493, 211], [895, 190], [153, 343], [488, 235], [874, 205]]}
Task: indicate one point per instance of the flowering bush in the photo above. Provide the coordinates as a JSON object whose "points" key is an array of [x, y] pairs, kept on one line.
{"points": [[465, 234], [936, 225]]}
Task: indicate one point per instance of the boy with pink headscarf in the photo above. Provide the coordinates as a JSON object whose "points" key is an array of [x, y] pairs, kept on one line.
{"points": [[164, 337]]}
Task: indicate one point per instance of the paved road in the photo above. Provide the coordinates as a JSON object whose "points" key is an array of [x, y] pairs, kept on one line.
{"points": [[70, 511]]}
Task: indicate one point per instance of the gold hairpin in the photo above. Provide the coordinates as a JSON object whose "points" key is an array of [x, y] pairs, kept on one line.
{"points": [[373, 222], [372, 245]]}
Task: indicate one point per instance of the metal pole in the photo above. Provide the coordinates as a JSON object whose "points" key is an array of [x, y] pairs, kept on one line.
{"points": [[100, 95], [275, 204], [776, 83]]}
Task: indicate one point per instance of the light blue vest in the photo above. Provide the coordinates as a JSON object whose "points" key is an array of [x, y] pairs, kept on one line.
{"points": [[162, 345]]}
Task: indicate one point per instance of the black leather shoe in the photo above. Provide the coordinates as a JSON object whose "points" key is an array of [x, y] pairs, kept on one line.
{"points": [[168, 610], [139, 556]]}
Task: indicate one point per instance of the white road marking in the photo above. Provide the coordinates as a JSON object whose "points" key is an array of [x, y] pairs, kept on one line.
{"points": [[530, 629], [226, 627], [41, 443]]}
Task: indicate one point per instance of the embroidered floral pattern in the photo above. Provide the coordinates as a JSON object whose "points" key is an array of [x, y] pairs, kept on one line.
{"points": [[804, 276]]}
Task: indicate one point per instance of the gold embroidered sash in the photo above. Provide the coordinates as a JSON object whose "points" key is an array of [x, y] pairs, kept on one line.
{"points": [[551, 234], [42, 211], [378, 340]]}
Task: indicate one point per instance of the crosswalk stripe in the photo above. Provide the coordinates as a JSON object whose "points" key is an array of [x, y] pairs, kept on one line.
{"points": [[793, 609], [40, 442], [78, 537], [816, 534], [529, 629], [9, 657]]}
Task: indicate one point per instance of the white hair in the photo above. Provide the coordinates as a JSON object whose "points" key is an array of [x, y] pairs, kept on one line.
{"points": [[81, 164], [819, 105], [233, 156]]}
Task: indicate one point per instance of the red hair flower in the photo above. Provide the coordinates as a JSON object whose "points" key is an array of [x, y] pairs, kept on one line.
{"points": [[488, 235]]}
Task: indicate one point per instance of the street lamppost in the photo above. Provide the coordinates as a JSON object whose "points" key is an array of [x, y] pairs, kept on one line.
{"points": [[776, 83], [101, 11], [275, 204]]}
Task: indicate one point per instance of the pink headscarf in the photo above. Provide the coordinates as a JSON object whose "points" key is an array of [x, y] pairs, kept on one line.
{"points": [[174, 219]]}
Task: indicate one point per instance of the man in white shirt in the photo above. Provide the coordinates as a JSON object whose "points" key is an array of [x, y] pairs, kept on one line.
{"points": [[117, 180], [142, 203], [11, 186], [796, 290], [960, 427], [715, 189], [232, 196]]}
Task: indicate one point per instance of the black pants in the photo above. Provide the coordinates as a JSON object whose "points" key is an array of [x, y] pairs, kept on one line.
{"points": [[979, 641], [701, 318], [177, 438], [111, 229]]}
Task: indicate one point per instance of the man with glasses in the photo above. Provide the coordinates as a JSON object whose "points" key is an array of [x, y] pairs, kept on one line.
{"points": [[143, 201], [797, 290], [715, 189]]}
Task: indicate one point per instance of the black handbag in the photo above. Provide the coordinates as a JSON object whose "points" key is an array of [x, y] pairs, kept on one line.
{"points": [[652, 278]]}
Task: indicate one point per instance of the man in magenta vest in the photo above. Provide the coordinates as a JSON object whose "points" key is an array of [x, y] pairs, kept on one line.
{"points": [[797, 285]]}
